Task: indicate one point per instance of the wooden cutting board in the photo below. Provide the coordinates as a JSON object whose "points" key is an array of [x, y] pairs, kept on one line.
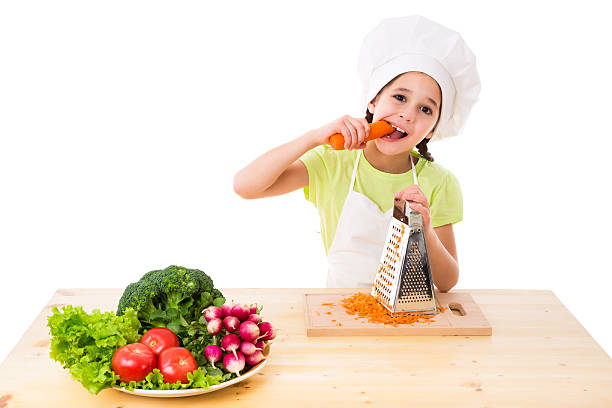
{"points": [[461, 317]]}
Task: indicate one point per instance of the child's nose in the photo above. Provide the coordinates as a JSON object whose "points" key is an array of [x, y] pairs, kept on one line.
{"points": [[406, 116]]}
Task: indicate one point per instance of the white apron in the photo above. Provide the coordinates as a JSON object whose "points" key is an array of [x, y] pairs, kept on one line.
{"points": [[360, 235]]}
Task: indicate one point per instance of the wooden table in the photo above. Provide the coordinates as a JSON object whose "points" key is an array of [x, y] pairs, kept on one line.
{"points": [[538, 356]]}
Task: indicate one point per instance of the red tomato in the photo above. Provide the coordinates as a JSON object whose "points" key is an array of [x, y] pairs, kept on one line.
{"points": [[133, 362], [174, 363], [159, 339]]}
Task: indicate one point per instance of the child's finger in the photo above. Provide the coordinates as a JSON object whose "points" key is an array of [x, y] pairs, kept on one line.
{"points": [[346, 133], [354, 138], [413, 197], [421, 210], [361, 133], [366, 126], [418, 197], [406, 195], [413, 189], [404, 192]]}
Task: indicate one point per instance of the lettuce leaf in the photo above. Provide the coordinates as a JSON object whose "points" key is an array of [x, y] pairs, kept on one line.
{"points": [[199, 378], [85, 343]]}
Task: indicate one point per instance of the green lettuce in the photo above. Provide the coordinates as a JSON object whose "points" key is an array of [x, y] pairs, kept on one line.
{"points": [[202, 377], [85, 343]]}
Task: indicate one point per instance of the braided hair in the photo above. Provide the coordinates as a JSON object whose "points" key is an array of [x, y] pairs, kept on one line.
{"points": [[421, 146]]}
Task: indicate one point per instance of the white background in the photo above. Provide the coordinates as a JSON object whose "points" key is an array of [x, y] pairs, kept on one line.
{"points": [[122, 124]]}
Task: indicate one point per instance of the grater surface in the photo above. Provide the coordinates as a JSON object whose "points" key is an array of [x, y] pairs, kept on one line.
{"points": [[403, 280]]}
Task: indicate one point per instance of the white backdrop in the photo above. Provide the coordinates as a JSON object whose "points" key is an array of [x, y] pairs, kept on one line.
{"points": [[122, 124]]}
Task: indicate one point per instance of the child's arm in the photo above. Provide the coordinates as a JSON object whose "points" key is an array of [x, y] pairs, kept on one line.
{"points": [[279, 171], [276, 172], [442, 253], [440, 241]]}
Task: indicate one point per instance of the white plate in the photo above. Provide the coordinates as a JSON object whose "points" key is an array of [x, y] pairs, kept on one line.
{"points": [[197, 391]]}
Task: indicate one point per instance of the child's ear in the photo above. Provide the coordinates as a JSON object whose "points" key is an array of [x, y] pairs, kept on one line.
{"points": [[371, 107]]}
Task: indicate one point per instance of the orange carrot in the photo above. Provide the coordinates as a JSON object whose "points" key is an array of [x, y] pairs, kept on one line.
{"points": [[367, 307], [377, 129]]}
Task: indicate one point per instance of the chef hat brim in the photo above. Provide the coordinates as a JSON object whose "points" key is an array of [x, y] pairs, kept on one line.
{"points": [[385, 73]]}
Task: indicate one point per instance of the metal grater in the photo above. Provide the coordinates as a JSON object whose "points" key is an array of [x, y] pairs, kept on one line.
{"points": [[403, 281]]}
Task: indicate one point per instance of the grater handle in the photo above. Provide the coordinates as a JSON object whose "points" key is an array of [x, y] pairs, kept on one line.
{"points": [[415, 219], [400, 206]]}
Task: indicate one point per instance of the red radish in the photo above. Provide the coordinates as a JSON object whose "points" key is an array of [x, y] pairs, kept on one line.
{"points": [[230, 343], [212, 312], [248, 331], [253, 309], [226, 309], [255, 318], [248, 348], [214, 326], [213, 354], [255, 358], [267, 330], [231, 323], [260, 344], [241, 312], [234, 363]]}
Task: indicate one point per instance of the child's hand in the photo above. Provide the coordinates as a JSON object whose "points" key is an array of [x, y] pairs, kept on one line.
{"points": [[417, 202], [354, 130]]}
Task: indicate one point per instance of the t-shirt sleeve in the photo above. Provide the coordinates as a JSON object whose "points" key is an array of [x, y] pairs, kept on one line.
{"points": [[447, 202], [315, 163]]}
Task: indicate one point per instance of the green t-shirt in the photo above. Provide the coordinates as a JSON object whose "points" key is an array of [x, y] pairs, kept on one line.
{"points": [[329, 176]]}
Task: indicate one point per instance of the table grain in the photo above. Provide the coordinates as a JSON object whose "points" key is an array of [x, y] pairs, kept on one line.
{"points": [[539, 355]]}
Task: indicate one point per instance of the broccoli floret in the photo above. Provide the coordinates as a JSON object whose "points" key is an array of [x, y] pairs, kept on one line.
{"points": [[137, 295], [172, 297]]}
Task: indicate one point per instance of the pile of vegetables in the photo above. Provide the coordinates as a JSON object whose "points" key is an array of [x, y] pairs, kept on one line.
{"points": [[170, 329]]}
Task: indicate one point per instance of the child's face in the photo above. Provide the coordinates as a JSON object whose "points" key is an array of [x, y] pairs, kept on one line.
{"points": [[411, 102]]}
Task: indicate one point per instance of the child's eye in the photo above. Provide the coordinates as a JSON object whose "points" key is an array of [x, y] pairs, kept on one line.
{"points": [[426, 110], [400, 98]]}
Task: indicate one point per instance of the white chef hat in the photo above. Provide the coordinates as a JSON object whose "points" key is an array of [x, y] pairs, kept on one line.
{"points": [[414, 43]]}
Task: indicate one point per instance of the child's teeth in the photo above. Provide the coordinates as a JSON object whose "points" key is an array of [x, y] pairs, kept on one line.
{"points": [[396, 128]]}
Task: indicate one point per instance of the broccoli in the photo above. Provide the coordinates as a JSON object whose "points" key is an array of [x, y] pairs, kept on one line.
{"points": [[173, 297]]}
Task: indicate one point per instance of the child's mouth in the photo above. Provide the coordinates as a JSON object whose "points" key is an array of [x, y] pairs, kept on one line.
{"points": [[397, 134]]}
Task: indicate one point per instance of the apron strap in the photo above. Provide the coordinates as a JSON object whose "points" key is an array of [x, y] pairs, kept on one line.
{"points": [[355, 170], [415, 180]]}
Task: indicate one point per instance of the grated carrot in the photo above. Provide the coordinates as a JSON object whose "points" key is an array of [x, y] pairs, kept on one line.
{"points": [[366, 306]]}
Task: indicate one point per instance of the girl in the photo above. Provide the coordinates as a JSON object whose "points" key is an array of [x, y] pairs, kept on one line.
{"points": [[421, 78]]}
